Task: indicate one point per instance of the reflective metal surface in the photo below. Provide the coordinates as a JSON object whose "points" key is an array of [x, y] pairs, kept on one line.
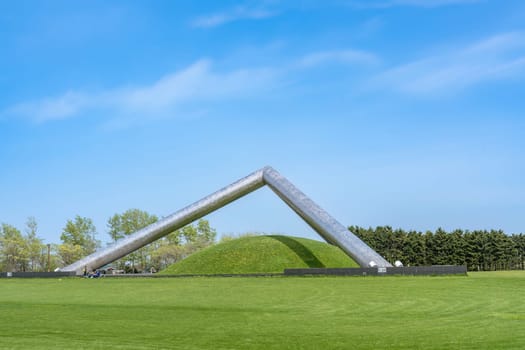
{"points": [[324, 224], [169, 224], [317, 218]]}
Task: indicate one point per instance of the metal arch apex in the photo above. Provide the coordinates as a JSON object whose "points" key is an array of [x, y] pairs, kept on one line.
{"points": [[324, 224]]}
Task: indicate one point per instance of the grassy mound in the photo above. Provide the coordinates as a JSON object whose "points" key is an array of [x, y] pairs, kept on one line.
{"points": [[261, 254]]}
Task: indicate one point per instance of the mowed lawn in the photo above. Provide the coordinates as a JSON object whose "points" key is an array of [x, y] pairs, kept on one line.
{"points": [[481, 311]]}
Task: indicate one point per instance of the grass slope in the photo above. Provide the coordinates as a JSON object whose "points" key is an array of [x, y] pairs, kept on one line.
{"points": [[262, 254], [482, 311]]}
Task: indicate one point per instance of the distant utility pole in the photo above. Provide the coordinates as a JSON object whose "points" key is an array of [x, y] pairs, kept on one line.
{"points": [[48, 257]]}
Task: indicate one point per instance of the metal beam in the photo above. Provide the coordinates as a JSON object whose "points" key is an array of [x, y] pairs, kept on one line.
{"points": [[326, 226]]}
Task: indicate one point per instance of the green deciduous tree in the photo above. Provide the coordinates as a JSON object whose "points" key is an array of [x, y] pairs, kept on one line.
{"points": [[78, 239], [34, 245], [130, 221], [126, 223], [69, 253], [13, 252], [163, 252]]}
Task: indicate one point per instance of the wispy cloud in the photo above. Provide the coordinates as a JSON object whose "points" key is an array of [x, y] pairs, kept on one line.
{"points": [[494, 58], [61, 107], [183, 92], [236, 14], [163, 98], [347, 56]]}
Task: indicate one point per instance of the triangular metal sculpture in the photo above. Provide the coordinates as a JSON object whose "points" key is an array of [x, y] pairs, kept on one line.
{"points": [[325, 225]]}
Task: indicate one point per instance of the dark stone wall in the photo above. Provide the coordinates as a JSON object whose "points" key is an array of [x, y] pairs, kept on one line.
{"points": [[351, 271], [380, 271], [36, 274]]}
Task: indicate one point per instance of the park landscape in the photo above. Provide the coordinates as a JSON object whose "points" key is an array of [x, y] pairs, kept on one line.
{"points": [[190, 305], [232, 294], [402, 118]]}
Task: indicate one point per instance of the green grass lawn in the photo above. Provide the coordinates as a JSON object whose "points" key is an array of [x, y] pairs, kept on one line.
{"points": [[482, 311]]}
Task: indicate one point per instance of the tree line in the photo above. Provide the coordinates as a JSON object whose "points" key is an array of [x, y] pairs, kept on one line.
{"points": [[479, 250], [25, 251]]}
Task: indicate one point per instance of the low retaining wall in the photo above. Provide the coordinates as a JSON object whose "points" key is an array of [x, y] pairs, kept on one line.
{"points": [[155, 275], [380, 271], [36, 274], [350, 271]]}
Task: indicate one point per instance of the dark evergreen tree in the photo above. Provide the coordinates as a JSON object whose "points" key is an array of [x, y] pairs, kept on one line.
{"points": [[478, 250]]}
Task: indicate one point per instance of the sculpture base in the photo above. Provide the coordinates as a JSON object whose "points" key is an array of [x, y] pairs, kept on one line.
{"points": [[37, 274], [380, 271]]}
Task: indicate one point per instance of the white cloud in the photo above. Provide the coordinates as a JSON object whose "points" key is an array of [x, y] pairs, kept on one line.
{"points": [[46, 109], [194, 88], [235, 14], [348, 56], [494, 58], [165, 97]]}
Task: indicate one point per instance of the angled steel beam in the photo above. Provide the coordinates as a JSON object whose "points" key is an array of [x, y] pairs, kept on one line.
{"points": [[325, 225], [169, 224]]}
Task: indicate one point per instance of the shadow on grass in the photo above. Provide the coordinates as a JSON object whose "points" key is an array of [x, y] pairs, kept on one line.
{"points": [[302, 252]]}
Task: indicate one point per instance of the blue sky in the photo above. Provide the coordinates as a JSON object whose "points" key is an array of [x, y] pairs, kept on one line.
{"points": [[407, 113]]}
